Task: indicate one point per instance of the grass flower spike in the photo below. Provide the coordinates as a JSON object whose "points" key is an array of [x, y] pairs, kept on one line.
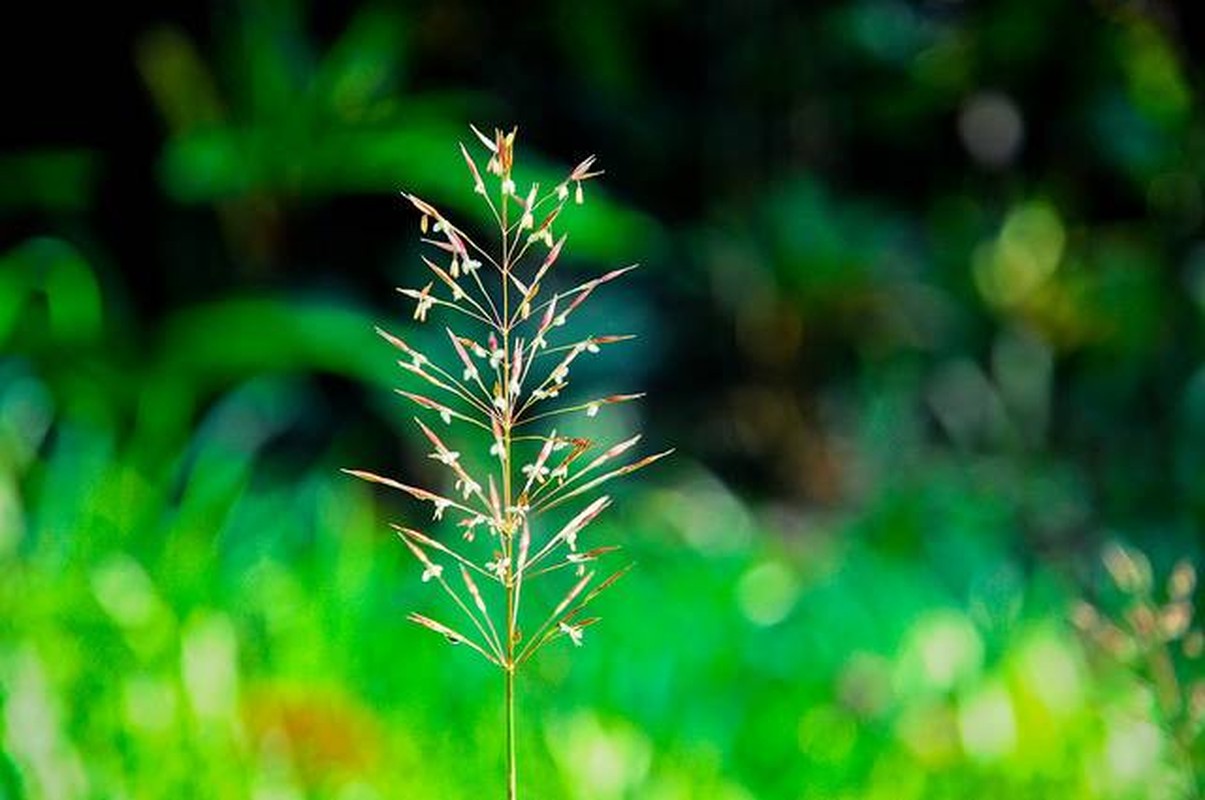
{"points": [[500, 390]]}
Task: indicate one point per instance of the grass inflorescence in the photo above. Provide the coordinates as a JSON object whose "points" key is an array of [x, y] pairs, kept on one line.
{"points": [[501, 389]]}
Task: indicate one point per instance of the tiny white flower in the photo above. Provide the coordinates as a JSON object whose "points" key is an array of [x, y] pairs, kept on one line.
{"points": [[500, 402], [470, 527], [592, 409], [470, 265], [440, 505], [559, 321], [574, 632], [446, 415], [559, 374], [479, 351], [454, 267], [496, 358], [432, 571], [591, 346], [496, 449], [467, 486], [448, 457], [499, 567], [418, 359], [562, 191], [425, 302], [508, 186], [532, 473], [470, 373], [560, 473], [578, 196]]}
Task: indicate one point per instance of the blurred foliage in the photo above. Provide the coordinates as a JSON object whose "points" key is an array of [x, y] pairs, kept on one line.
{"points": [[923, 314], [295, 123]]}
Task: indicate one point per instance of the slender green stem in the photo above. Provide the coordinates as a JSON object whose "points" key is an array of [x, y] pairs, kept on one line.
{"points": [[508, 538], [511, 770]]}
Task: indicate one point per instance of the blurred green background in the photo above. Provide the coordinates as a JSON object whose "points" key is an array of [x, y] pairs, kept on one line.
{"points": [[921, 310]]}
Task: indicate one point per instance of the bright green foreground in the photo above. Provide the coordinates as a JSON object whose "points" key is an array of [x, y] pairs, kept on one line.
{"points": [[189, 612]]}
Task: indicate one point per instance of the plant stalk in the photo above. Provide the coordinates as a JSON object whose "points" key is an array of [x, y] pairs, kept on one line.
{"points": [[511, 767], [512, 791]]}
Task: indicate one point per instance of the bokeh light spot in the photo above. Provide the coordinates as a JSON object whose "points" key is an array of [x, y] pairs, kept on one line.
{"points": [[942, 649], [123, 590], [992, 128], [767, 593], [208, 661], [1024, 257], [607, 761], [1052, 672], [1132, 749], [987, 725]]}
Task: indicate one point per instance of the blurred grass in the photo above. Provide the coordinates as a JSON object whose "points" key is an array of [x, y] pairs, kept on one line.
{"points": [[182, 618]]}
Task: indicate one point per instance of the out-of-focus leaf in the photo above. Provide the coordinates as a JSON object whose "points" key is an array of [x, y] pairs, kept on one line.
{"points": [[54, 270]]}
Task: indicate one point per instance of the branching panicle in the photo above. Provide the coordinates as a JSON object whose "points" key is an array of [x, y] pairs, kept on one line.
{"points": [[513, 381]]}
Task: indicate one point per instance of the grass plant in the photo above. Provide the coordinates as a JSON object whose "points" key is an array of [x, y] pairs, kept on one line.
{"points": [[497, 399]]}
